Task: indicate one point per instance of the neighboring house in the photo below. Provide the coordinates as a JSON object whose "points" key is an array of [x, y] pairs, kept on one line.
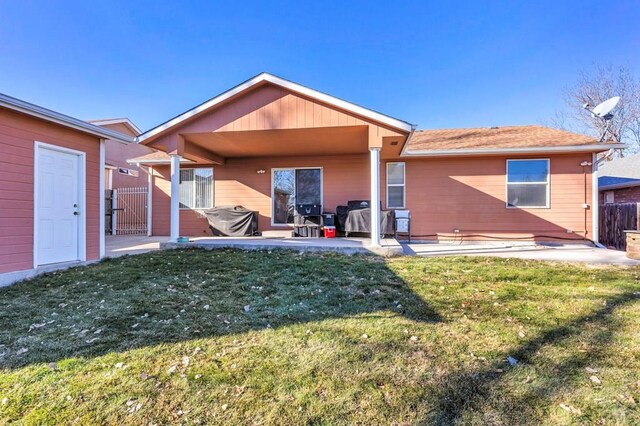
{"points": [[619, 180], [51, 189], [255, 140], [127, 184], [119, 173]]}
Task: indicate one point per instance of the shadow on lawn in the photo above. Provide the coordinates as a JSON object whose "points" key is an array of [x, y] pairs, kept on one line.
{"points": [[171, 296], [478, 393]]}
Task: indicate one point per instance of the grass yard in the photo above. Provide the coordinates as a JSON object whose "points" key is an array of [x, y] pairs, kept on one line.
{"points": [[231, 337]]}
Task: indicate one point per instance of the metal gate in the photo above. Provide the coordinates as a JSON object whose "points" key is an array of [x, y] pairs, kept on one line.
{"points": [[129, 211], [108, 220]]}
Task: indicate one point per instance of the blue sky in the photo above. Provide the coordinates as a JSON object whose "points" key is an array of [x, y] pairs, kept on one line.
{"points": [[433, 63]]}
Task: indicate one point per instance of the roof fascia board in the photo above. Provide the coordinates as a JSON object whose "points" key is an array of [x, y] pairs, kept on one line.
{"points": [[294, 87], [58, 118], [618, 186], [497, 151], [134, 161], [124, 121]]}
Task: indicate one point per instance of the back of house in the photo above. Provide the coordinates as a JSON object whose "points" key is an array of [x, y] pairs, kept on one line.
{"points": [[269, 144]]}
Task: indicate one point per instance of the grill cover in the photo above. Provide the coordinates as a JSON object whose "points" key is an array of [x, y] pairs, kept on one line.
{"points": [[359, 221], [232, 221]]}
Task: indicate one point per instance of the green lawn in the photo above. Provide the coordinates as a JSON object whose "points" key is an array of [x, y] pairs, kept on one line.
{"points": [[231, 337]]}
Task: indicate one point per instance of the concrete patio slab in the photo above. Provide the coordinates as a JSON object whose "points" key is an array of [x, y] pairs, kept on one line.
{"points": [[389, 246], [582, 252], [119, 245]]}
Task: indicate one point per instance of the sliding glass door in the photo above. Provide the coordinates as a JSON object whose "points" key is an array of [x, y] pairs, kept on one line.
{"points": [[294, 186]]}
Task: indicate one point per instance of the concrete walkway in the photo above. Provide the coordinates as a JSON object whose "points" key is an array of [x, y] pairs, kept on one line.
{"points": [[583, 253], [119, 245]]}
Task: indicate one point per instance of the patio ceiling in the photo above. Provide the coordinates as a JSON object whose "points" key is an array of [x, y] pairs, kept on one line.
{"points": [[341, 140]]}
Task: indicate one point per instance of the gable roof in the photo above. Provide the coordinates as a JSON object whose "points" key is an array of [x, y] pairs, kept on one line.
{"points": [[289, 85], [33, 110], [495, 140], [156, 157], [125, 121]]}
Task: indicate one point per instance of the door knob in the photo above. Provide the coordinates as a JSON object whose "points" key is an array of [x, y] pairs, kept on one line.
{"points": [[76, 213]]}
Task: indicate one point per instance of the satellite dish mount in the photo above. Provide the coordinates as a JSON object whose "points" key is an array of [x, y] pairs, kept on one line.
{"points": [[603, 112]]}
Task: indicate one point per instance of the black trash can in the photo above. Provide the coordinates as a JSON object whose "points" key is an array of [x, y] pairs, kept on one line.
{"points": [[328, 219]]}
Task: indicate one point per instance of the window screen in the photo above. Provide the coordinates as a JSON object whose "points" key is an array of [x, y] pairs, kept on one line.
{"points": [[395, 185], [196, 188], [528, 183]]}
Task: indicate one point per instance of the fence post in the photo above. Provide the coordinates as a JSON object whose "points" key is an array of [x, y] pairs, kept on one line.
{"points": [[114, 211]]}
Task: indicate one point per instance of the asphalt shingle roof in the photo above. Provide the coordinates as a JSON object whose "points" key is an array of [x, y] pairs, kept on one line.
{"points": [[495, 138]]}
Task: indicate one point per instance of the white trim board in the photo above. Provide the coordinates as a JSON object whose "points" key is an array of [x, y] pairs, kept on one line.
{"points": [[289, 85], [403, 185], [82, 198], [101, 195], [124, 121], [157, 162], [55, 117]]}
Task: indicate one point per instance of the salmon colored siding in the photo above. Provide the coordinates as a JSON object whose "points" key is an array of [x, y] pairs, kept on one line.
{"points": [[117, 155], [464, 193], [470, 194], [17, 136], [238, 183], [266, 108]]}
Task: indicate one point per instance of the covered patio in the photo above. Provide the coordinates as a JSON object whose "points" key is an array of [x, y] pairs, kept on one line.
{"points": [[262, 132]]}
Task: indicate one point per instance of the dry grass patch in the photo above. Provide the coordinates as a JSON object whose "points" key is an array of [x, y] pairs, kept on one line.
{"points": [[203, 337]]}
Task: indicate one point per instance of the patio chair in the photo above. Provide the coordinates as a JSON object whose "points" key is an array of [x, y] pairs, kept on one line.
{"points": [[403, 223]]}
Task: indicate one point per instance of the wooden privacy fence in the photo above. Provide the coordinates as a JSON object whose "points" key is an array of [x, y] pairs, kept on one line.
{"points": [[614, 220]]}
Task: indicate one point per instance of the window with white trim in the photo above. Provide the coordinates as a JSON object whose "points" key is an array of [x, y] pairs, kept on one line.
{"points": [[609, 197], [196, 188], [396, 185], [528, 183]]}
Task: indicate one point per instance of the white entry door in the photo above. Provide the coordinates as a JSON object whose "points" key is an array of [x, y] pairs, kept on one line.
{"points": [[57, 206]]}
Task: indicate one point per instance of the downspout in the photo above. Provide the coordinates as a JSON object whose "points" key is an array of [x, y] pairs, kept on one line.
{"points": [[585, 205], [595, 202]]}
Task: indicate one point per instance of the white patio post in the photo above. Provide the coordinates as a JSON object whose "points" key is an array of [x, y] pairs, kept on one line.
{"points": [[595, 200], [103, 213], [175, 197], [375, 196]]}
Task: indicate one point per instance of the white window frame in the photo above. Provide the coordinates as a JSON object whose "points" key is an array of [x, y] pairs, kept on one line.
{"points": [[606, 197], [275, 169], [213, 186], [403, 184], [548, 183]]}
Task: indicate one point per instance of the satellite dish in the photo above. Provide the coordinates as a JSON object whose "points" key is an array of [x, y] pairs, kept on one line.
{"points": [[603, 109], [603, 112]]}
